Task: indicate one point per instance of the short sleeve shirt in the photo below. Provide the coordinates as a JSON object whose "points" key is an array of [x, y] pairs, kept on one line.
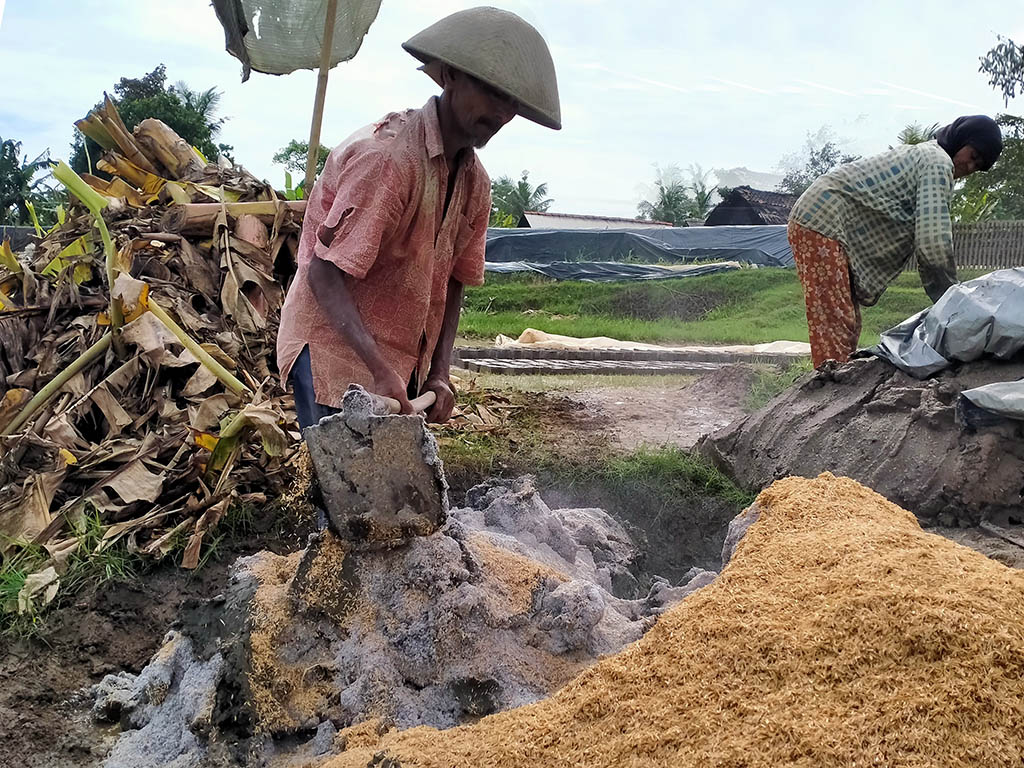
{"points": [[884, 209], [384, 191]]}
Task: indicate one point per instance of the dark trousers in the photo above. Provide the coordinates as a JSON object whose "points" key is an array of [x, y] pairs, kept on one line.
{"points": [[308, 409]]}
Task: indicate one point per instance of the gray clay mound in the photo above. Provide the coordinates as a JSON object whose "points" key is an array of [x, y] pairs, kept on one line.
{"points": [[900, 436]]}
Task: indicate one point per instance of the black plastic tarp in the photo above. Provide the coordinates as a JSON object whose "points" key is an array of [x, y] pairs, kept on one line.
{"points": [[606, 271], [764, 246]]}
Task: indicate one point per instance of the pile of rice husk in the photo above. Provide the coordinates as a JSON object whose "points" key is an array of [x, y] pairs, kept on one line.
{"points": [[839, 634]]}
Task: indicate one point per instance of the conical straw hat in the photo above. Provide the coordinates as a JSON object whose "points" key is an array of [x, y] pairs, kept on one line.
{"points": [[500, 49]]}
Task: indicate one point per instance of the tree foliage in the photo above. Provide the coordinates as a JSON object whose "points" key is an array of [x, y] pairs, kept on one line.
{"points": [[21, 181], [1004, 65], [821, 153], [670, 198], [915, 133], [191, 114], [510, 199], [999, 192], [703, 192], [293, 157]]}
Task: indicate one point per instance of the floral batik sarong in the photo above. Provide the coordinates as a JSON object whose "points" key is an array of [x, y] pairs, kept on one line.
{"points": [[833, 316]]}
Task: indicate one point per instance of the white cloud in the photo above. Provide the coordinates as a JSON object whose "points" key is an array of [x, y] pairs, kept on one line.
{"points": [[934, 96], [641, 83], [828, 88]]}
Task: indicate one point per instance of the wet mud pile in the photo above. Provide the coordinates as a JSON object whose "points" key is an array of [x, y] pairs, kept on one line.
{"points": [[907, 439]]}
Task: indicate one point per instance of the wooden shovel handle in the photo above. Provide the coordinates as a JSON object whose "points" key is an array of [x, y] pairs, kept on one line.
{"points": [[419, 404]]}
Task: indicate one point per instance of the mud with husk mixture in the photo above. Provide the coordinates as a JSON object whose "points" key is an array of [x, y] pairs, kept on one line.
{"points": [[501, 603]]}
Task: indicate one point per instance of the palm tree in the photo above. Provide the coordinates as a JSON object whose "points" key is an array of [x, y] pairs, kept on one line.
{"points": [[16, 181], [672, 202], [511, 199], [702, 193], [915, 133], [203, 103]]}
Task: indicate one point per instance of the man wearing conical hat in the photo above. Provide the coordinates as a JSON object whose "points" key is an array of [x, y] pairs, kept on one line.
{"points": [[396, 223]]}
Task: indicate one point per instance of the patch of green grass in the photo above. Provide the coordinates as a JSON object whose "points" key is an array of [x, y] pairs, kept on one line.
{"points": [[668, 471], [770, 381], [532, 443], [748, 306], [89, 566]]}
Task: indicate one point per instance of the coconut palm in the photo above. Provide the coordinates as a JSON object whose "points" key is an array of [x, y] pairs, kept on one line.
{"points": [[511, 199], [702, 192], [915, 133], [203, 103], [671, 200]]}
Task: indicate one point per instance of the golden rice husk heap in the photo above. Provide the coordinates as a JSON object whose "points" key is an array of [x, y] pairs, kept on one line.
{"points": [[840, 634]]}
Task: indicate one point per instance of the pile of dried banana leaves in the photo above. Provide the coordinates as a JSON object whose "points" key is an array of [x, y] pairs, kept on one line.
{"points": [[137, 377]]}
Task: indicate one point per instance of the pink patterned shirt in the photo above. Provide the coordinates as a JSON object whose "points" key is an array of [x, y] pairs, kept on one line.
{"points": [[386, 184]]}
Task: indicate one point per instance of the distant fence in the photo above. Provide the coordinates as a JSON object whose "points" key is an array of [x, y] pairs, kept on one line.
{"points": [[986, 245]]}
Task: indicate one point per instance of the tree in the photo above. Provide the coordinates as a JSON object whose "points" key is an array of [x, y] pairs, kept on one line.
{"points": [[293, 157], [189, 113], [204, 104], [915, 133], [1004, 65], [511, 199], [671, 200], [999, 193], [702, 193], [20, 182], [820, 155]]}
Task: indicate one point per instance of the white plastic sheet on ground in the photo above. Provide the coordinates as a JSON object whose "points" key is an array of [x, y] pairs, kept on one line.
{"points": [[979, 317], [534, 339], [281, 36]]}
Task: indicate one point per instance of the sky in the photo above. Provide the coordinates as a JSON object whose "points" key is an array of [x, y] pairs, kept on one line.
{"points": [[646, 83]]}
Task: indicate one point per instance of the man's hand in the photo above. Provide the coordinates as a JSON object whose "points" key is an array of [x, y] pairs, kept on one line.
{"points": [[442, 408], [387, 383]]}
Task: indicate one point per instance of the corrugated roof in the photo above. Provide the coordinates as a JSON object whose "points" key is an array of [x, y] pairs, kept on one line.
{"points": [[773, 207], [550, 220]]}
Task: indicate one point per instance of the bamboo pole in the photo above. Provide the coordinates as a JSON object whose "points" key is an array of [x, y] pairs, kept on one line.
{"points": [[321, 94], [199, 218]]}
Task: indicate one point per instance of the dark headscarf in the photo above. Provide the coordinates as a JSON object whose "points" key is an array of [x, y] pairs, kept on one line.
{"points": [[979, 131]]}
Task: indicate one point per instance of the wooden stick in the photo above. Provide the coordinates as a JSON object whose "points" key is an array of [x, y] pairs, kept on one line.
{"points": [[321, 94], [199, 218]]}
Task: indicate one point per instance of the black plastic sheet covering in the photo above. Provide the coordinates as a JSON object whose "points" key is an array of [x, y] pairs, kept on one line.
{"points": [[606, 271], [980, 317], [765, 246]]}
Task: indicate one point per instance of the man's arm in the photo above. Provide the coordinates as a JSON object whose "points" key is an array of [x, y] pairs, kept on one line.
{"points": [[330, 288], [438, 380]]}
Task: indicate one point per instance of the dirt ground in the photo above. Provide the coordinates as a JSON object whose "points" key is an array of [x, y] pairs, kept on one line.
{"points": [[667, 413], [44, 679]]}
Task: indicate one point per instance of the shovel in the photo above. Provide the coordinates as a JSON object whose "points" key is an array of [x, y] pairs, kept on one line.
{"points": [[384, 406], [379, 472]]}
